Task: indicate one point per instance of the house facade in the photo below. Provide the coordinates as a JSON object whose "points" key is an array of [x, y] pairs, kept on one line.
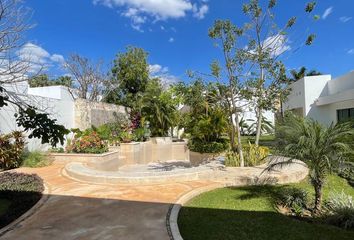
{"points": [[322, 98], [61, 105]]}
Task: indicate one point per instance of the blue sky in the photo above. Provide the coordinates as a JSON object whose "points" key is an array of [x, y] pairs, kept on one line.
{"points": [[175, 32]]}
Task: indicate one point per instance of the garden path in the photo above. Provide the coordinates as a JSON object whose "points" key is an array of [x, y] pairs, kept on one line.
{"points": [[78, 210]]}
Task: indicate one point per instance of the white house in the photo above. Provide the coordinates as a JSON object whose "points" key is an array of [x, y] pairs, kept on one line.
{"points": [[322, 98], [59, 103]]}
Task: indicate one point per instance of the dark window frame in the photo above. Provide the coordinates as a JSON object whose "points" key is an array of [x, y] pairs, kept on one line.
{"points": [[349, 114]]}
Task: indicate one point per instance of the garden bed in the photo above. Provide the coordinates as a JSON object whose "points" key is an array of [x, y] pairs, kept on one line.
{"points": [[249, 213], [19, 192]]}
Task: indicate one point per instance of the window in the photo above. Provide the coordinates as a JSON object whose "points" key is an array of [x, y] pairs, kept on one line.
{"points": [[345, 114]]}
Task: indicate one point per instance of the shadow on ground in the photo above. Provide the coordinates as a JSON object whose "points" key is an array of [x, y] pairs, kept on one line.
{"points": [[71, 217]]}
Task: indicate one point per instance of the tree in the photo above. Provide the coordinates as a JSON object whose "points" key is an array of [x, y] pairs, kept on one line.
{"points": [[301, 73], [227, 37], [321, 148], [15, 69], [158, 107], [130, 76], [88, 81], [42, 80], [266, 43]]}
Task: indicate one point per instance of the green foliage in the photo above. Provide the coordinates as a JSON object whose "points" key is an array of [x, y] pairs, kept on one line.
{"points": [[341, 210], [35, 159], [126, 137], [43, 80], [139, 135], [159, 108], [130, 74], [295, 199], [41, 126], [208, 147], [87, 143], [321, 148], [346, 171], [254, 155], [22, 191], [11, 149]]}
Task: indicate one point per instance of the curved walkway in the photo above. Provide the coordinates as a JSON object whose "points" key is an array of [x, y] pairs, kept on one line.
{"points": [[78, 210]]}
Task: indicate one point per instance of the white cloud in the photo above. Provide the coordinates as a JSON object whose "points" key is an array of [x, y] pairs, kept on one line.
{"points": [[140, 10], [345, 19], [277, 44], [351, 51], [156, 70], [57, 58], [200, 12], [37, 57], [171, 40], [327, 12]]}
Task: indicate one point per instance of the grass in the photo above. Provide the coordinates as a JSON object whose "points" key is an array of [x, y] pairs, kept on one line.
{"points": [[249, 213], [35, 159]]}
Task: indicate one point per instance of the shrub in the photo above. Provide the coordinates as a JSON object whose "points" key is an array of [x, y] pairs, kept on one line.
{"points": [[11, 149], [295, 199], [347, 172], [341, 210], [90, 143], [139, 135], [35, 159], [232, 159], [252, 154], [22, 191], [208, 147]]}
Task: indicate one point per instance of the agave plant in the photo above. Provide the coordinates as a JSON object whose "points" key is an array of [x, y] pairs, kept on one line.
{"points": [[320, 147]]}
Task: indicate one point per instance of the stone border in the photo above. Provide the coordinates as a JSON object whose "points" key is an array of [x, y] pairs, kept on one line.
{"points": [[172, 215], [16, 223]]}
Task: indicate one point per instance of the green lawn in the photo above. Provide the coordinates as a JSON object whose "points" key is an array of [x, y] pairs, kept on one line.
{"points": [[248, 213], [4, 205]]}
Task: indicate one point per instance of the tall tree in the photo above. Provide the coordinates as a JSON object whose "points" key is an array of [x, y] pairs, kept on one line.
{"points": [[227, 36], [130, 75], [266, 42], [89, 80]]}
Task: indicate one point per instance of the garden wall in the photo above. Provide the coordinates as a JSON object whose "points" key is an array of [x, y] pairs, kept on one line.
{"points": [[94, 113]]}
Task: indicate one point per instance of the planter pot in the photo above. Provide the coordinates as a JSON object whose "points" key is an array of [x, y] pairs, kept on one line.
{"points": [[197, 158]]}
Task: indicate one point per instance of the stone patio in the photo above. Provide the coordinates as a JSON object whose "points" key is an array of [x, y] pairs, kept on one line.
{"points": [[79, 210]]}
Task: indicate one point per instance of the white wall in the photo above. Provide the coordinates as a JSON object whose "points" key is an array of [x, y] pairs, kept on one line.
{"points": [[60, 107], [321, 97]]}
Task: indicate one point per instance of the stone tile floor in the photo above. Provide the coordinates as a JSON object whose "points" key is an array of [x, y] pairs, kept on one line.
{"points": [[76, 210]]}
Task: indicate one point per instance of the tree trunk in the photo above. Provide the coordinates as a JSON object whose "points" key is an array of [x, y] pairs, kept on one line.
{"points": [[259, 126], [239, 144], [318, 197]]}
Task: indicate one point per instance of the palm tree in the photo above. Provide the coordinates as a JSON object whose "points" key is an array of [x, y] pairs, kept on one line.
{"points": [[320, 147], [303, 72]]}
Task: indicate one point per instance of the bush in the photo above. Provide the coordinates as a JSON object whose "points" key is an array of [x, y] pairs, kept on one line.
{"points": [[208, 147], [347, 172], [11, 149], [252, 154], [340, 209], [90, 143], [35, 159], [295, 199], [22, 191]]}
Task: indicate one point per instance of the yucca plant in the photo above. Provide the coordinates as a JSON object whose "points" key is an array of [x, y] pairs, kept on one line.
{"points": [[320, 147]]}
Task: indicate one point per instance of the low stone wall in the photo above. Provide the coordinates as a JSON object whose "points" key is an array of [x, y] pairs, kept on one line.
{"points": [[110, 161], [155, 150]]}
